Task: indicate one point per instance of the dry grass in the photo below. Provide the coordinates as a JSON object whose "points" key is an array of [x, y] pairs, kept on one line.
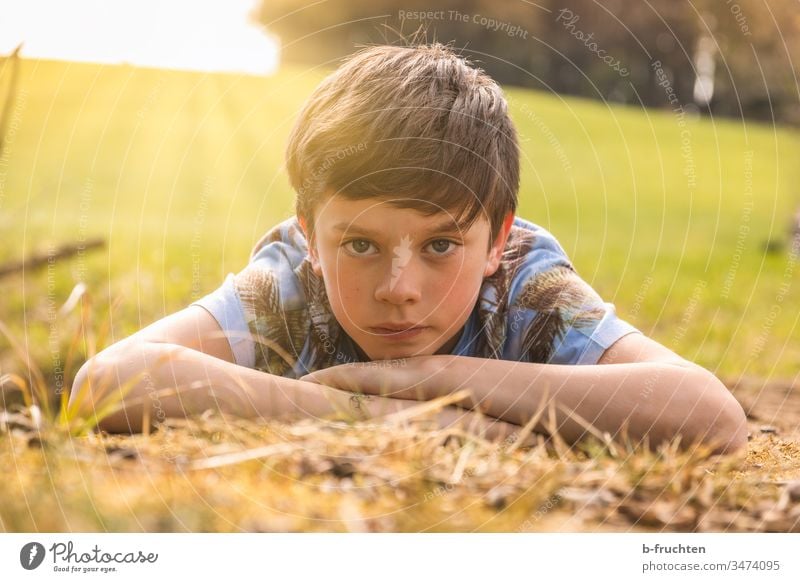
{"points": [[220, 474]]}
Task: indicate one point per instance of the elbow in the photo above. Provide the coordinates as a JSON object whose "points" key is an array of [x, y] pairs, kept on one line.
{"points": [[723, 418], [730, 435], [82, 395], [94, 386]]}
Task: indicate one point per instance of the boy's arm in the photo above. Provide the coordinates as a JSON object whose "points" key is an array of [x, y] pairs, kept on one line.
{"points": [[638, 385], [174, 381], [171, 365], [171, 380]]}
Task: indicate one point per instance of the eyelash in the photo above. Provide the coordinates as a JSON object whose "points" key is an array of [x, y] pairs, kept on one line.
{"points": [[453, 244]]}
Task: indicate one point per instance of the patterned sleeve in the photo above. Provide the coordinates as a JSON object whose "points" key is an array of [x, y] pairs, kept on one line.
{"points": [[261, 308], [224, 305], [555, 316]]}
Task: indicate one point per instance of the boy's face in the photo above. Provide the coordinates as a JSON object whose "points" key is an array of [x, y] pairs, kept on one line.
{"points": [[386, 267]]}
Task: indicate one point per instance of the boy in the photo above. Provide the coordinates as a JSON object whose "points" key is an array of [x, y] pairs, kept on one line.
{"points": [[405, 275]]}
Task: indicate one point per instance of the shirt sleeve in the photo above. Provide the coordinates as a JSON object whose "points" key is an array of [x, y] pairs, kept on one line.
{"points": [[261, 309], [557, 316], [226, 307], [585, 342]]}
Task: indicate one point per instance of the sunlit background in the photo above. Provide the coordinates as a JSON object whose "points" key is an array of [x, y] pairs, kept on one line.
{"points": [[195, 35]]}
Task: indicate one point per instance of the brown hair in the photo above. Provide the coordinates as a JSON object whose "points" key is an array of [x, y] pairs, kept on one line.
{"points": [[413, 122]]}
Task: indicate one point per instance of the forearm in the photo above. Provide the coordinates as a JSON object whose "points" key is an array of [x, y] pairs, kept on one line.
{"points": [[168, 380], [165, 380], [659, 400]]}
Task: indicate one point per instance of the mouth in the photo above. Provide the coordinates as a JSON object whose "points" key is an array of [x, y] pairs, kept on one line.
{"points": [[398, 332]]}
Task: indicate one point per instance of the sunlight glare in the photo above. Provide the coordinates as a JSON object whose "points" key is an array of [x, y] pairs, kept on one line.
{"points": [[197, 35]]}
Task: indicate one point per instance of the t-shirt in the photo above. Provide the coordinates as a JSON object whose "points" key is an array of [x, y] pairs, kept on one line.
{"points": [[534, 308]]}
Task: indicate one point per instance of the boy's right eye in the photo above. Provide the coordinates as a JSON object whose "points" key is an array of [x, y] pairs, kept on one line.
{"points": [[358, 246]]}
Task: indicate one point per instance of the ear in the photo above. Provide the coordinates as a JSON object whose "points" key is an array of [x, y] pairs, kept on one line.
{"points": [[313, 254], [496, 252]]}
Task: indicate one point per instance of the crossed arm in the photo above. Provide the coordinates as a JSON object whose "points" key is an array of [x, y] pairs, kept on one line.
{"points": [[182, 364], [638, 390]]}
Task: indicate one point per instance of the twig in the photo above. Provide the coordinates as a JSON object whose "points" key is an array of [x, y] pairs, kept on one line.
{"points": [[242, 456], [10, 95], [38, 260]]}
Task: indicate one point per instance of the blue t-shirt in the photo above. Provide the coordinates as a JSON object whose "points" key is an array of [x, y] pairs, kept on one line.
{"points": [[534, 308]]}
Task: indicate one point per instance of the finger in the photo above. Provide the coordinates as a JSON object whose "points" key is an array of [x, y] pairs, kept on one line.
{"points": [[325, 373]]}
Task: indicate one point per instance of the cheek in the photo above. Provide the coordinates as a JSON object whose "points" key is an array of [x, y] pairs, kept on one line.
{"points": [[457, 285], [345, 285], [351, 292]]}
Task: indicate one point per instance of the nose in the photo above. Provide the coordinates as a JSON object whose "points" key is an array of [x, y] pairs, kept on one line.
{"points": [[400, 283]]}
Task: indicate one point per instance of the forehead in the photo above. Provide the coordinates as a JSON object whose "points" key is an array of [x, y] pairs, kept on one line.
{"points": [[377, 216]]}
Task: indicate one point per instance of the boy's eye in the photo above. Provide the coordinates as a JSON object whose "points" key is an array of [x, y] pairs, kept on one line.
{"points": [[359, 246], [442, 246]]}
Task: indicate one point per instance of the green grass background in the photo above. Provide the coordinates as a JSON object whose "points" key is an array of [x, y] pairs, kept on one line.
{"points": [[182, 172]]}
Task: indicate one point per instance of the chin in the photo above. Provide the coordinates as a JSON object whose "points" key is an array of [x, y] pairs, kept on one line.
{"points": [[398, 353]]}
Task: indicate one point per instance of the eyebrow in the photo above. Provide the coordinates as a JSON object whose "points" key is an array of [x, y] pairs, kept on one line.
{"points": [[445, 227]]}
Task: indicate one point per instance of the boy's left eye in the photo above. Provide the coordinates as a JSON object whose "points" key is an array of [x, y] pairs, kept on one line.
{"points": [[442, 246]]}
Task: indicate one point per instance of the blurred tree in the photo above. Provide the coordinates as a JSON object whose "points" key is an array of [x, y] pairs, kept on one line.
{"points": [[605, 49], [758, 58]]}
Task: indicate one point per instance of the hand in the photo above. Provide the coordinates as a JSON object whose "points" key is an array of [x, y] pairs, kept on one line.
{"points": [[406, 378]]}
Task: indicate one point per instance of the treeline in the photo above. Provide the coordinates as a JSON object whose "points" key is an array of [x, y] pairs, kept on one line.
{"points": [[732, 58]]}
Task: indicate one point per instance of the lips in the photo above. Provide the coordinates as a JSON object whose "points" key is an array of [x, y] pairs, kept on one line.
{"points": [[394, 327], [398, 331]]}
